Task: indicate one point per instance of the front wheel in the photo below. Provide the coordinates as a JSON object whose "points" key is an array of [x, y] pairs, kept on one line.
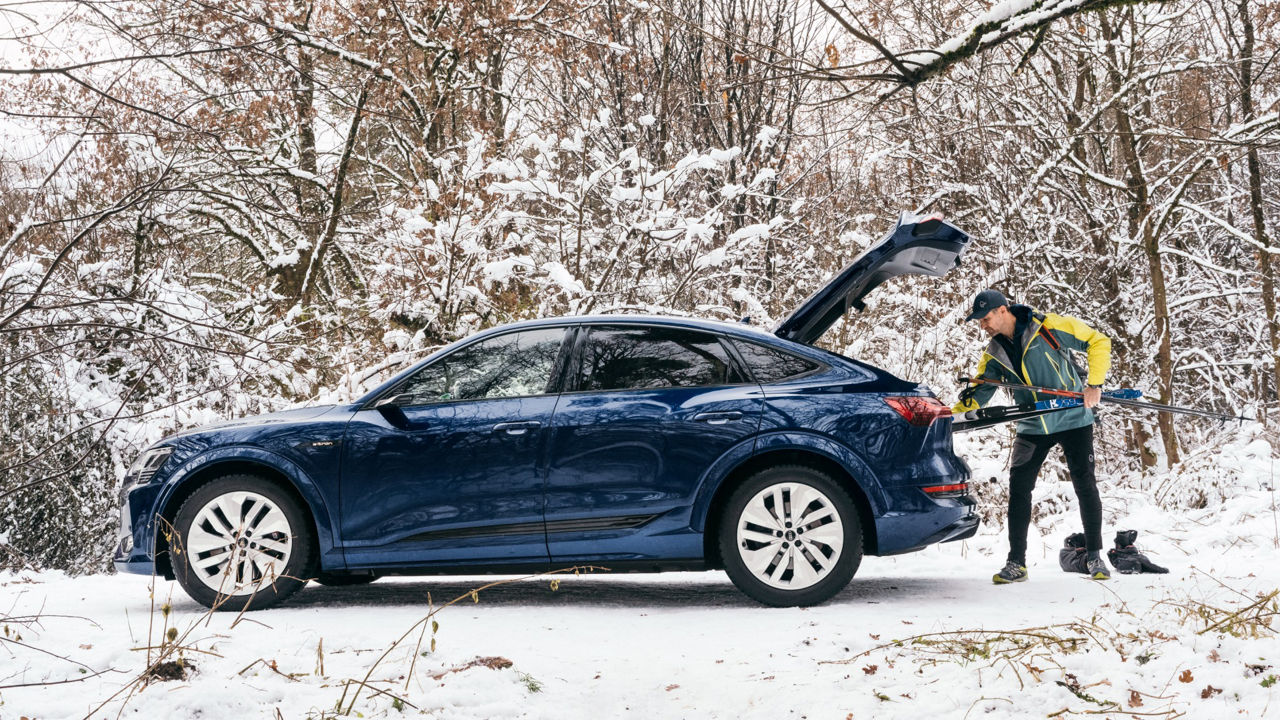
{"points": [[790, 536], [241, 543]]}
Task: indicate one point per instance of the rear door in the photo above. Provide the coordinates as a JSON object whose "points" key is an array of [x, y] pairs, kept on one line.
{"points": [[650, 409]]}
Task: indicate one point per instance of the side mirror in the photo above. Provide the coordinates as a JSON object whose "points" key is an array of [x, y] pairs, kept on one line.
{"points": [[389, 407]]}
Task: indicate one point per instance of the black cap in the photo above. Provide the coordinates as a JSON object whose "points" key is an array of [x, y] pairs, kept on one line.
{"points": [[985, 302]]}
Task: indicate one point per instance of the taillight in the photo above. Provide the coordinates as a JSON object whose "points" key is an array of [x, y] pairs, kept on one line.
{"points": [[947, 491], [918, 410]]}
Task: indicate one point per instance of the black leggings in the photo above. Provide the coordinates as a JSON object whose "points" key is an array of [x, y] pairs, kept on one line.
{"points": [[1029, 452]]}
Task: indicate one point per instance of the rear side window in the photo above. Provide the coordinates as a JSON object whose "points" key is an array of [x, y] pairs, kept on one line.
{"points": [[516, 364], [628, 358], [770, 365]]}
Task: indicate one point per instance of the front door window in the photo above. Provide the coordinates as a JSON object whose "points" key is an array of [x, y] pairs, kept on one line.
{"points": [[513, 365]]}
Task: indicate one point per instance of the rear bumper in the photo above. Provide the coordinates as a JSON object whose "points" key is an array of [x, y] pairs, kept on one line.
{"points": [[962, 529], [948, 521]]}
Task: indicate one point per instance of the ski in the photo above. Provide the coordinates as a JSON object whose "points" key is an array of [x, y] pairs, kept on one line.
{"points": [[989, 416], [1125, 397]]}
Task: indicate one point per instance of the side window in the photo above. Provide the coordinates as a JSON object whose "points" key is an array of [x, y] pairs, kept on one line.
{"points": [[626, 358], [769, 365], [512, 365]]}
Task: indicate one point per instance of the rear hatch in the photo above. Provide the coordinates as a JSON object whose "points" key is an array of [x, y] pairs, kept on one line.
{"points": [[917, 245]]}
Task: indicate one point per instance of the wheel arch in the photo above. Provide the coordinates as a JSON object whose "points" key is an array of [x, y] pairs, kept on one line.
{"points": [[259, 464], [787, 454]]}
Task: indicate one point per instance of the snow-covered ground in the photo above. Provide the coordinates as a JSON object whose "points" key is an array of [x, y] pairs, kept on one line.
{"points": [[1195, 642]]}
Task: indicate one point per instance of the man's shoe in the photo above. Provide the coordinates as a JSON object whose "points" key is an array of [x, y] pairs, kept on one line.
{"points": [[1097, 568], [1012, 572]]}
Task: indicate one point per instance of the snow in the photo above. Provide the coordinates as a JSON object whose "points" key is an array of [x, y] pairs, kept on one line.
{"points": [[755, 231], [22, 269], [918, 635], [562, 278], [724, 156]]}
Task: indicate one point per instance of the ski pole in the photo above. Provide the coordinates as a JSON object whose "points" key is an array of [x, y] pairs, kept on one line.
{"points": [[1124, 397]]}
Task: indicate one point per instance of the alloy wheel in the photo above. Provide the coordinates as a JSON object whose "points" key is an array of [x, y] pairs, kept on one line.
{"points": [[239, 542], [790, 535]]}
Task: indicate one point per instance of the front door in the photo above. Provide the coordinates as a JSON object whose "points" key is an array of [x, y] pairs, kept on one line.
{"points": [[452, 471]]}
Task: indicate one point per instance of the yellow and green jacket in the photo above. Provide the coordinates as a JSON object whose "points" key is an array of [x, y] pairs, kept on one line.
{"points": [[1046, 361]]}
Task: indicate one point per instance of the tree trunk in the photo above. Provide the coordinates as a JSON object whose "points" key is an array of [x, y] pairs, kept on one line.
{"points": [[1266, 264], [1140, 227]]}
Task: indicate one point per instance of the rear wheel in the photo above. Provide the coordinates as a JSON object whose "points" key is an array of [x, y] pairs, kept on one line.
{"points": [[790, 535], [242, 543]]}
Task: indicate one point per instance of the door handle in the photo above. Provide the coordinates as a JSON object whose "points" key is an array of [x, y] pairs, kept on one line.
{"points": [[718, 418], [517, 428]]}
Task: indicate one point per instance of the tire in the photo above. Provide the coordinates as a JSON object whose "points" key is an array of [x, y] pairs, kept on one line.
{"points": [[796, 555], [241, 543], [344, 579]]}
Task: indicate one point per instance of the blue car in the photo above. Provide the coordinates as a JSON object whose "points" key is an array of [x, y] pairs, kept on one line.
{"points": [[633, 443]]}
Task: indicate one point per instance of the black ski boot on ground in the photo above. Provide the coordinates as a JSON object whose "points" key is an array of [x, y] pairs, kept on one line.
{"points": [[1127, 560], [1071, 556]]}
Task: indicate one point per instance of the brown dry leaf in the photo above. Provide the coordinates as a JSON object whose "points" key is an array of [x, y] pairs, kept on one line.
{"points": [[672, 686], [1186, 676], [871, 669], [1209, 691], [1135, 699], [493, 663], [86, 646], [1214, 656]]}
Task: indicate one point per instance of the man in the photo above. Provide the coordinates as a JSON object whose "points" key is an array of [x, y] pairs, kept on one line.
{"points": [[1032, 348]]}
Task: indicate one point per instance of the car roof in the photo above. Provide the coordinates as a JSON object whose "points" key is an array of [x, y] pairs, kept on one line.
{"points": [[718, 326]]}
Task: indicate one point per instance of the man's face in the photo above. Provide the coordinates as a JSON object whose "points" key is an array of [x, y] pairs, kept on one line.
{"points": [[998, 322]]}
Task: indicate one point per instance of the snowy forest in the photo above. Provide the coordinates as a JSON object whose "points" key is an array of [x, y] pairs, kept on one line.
{"points": [[209, 210]]}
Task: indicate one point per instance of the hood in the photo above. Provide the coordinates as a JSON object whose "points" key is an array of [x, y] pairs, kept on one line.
{"points": [[283, 416], [917, 245]]}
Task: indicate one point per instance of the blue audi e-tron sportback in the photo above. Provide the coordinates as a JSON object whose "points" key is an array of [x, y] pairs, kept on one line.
{"points": [[633, 443]]}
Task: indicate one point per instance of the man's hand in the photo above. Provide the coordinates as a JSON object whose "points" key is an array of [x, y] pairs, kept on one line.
{"points": [[1092, 396]]}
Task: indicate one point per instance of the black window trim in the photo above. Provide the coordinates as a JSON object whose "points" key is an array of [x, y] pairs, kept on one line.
{"points": [[558, 370], [573, 383]]}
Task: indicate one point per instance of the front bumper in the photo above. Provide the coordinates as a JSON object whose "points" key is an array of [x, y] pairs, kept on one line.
{"points": [[135, 540]]}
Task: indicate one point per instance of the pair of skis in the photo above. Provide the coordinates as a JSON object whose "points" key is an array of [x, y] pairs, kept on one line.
{"points": [[1065, 400]]}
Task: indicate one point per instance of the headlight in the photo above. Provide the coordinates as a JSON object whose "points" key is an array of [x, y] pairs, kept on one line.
{"points": [[147, 464]]}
